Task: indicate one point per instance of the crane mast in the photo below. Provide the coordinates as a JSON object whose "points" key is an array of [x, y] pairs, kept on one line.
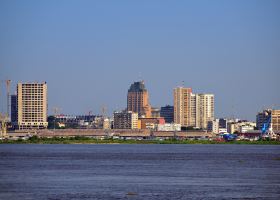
{"points": [[267, 131]]}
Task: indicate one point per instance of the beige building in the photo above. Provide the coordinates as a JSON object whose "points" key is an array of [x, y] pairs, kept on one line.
{"points": [[32, 105], [275, 119], [155, 112], [182, 113], [193, 109]]}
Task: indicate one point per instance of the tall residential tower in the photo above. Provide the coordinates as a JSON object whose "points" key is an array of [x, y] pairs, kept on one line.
{"points": [[193, 110], [182, 97]]}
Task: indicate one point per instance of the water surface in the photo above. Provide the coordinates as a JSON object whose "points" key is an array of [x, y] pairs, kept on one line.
{"points": [[60, 172]]}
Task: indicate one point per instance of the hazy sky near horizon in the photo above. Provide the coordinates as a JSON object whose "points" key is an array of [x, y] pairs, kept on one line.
{"points": [[89, 52]]}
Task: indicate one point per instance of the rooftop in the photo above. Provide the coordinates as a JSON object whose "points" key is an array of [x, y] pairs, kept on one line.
{"points": [[137, 87]]}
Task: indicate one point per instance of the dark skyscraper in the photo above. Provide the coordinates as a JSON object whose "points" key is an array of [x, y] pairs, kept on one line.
{"points": [[167, 112], [14, 109]]}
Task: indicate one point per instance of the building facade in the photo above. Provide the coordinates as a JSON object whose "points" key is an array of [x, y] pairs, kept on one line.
{"points": [[275, 121], [204, 110], [14, 110], [32, 105], [182, 114], [218, 126], [223, 123], [167, 112], [213, 126], [125, 120], [169, 127], [150, 123], [155, 112], [138, 99], [193, 110]]}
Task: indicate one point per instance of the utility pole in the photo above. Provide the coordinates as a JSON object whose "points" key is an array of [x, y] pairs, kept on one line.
{"points": [[103, 110], [55, 110]]}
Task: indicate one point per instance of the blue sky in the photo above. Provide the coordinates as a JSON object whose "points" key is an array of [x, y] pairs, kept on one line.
{"points": [[89, 52]]}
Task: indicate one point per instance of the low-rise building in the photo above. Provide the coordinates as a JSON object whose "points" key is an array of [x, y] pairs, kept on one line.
{"points": [[169, 127], [241, 126], [79, 121], [217, 126], [151, 123], [155, 112], [125, 120], [213, 126], [246, 128]]}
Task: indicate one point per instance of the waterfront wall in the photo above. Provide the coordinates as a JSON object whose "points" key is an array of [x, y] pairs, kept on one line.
{"points": [[144, 133]]}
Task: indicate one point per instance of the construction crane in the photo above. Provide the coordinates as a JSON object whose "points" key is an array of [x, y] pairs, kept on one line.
{"points": [[8, 84], [4, 118], [267, 131]]}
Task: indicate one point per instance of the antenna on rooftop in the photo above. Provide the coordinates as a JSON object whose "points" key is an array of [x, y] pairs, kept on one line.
{"points": [[183, 83], [103, 111], [140, 77], [56, 110]]}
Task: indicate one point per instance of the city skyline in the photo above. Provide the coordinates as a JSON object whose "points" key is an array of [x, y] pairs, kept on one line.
{"points": [[229, 49]]}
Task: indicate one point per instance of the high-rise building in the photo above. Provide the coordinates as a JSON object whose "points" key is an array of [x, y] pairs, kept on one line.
{"points": [[14, 110], [275, 120], [125, 120], [193, 110], [182, 112], [167, 112], [205, 110], [138, 99], [32, 105]]}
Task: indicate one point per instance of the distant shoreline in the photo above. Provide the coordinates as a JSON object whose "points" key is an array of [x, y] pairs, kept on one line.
{"points": [[86, 140]]}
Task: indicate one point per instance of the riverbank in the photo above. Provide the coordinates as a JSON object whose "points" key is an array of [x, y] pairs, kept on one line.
{"points": [[86, 140]]}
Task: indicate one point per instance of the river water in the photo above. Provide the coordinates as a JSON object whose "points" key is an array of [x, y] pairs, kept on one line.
{"points": [[62, 172]]}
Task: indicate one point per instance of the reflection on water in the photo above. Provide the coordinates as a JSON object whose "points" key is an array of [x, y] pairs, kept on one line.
{"points": [[139, 172]]}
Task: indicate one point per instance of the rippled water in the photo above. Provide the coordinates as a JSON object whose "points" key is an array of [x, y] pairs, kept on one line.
{"points": [[58, 172]]}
